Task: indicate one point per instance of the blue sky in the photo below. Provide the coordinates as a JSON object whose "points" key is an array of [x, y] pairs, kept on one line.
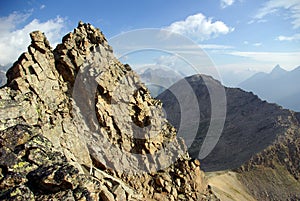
{"points": [[240, 36]]}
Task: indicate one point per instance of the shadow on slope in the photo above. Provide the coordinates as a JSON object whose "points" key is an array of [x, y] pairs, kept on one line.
{"points": [[251, 124]]}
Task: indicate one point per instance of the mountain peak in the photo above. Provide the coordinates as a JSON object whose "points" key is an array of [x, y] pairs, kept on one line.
{"points": [[278, 70], [277, 66]]}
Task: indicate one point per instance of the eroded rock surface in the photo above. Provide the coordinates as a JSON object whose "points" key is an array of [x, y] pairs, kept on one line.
{"points": [[76, 124]]}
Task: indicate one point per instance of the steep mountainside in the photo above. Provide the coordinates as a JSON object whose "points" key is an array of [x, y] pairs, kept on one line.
{"points": [[259, 140], [76, 124], [279, 86]]}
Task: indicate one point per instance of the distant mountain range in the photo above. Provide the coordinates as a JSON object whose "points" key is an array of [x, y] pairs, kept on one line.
{"points": [[158, 80], [279, 86]]}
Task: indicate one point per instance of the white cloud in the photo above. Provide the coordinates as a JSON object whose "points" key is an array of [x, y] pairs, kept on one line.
{"points": [[9, 23], [42, 7], [199, 28], [226, 3], [272, 6], [215, 46], [257, 21], [257, 44], [14, 41], [288, 59], [294, 37], [167, 60]]}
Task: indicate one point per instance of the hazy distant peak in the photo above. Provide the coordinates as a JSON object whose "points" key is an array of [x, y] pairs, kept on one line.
{"points": [[277, 72], [278, 69], [280, 86]]}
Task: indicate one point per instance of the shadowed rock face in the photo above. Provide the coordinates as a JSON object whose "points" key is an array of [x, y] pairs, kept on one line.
{"points": [[251, 125], [73, 117], [259, 140]]}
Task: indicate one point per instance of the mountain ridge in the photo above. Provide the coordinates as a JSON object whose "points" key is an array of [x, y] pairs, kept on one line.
{"points": [[260, 141]]}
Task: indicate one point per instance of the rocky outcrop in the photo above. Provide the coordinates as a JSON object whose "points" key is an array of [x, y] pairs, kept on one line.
{"points": [[260, 141], [278, 164], [31, 169], [77, 124], [35, 95]]}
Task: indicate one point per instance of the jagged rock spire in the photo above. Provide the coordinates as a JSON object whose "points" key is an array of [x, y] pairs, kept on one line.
{"points": [[40, 107]]}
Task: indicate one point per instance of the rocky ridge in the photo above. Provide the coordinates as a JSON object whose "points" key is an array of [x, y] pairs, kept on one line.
{"points": [[278, 164], [64, 136], [260, 141]]}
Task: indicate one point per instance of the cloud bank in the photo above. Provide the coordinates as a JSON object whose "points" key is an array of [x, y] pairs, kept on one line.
{"points": [[14, 40], [295, 37]]}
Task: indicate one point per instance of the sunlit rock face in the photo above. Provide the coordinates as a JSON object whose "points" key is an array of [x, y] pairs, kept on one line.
{"points": [[76, 124]]}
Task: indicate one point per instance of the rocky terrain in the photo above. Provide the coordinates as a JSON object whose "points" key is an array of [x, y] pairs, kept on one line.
{"points": [[259, 142], [76, 124]]}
